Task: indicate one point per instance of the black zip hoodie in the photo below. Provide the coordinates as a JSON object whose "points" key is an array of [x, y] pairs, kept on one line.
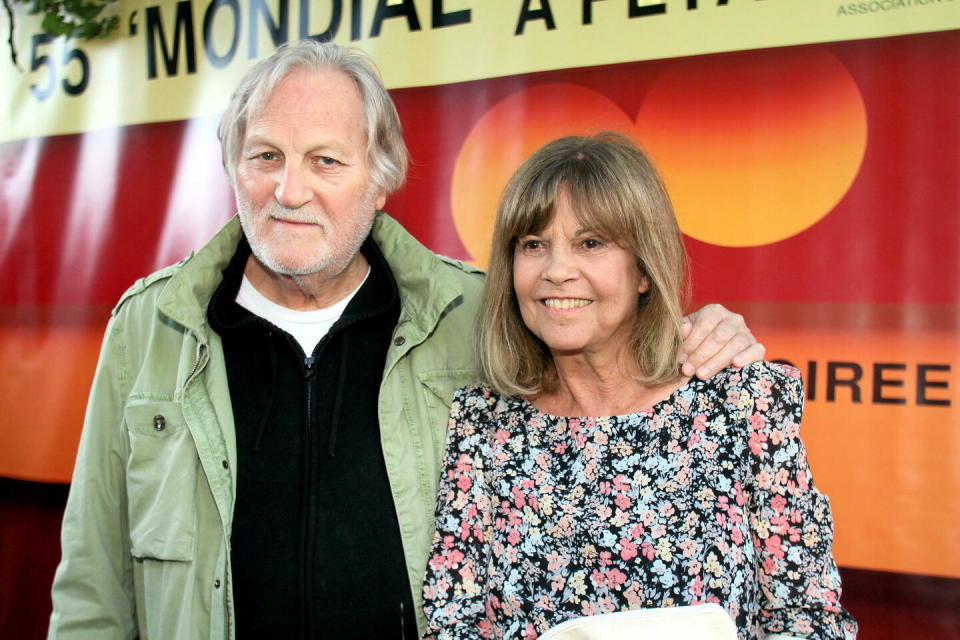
{"points": [[316, 548]]}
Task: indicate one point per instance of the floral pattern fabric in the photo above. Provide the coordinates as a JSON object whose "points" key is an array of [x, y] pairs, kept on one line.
{"points": [[705, 497]]}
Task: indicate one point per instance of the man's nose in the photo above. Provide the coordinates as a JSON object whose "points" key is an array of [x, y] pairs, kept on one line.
{"points": [[559, 266], [293, 190]]}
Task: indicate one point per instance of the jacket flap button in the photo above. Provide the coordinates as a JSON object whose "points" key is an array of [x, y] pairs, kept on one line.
{"points": [[216, 583], [159, 422], [226, 465], [399, 340]]}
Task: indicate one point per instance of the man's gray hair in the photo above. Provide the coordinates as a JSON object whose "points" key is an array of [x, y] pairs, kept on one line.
{"points": [[386, 151]]}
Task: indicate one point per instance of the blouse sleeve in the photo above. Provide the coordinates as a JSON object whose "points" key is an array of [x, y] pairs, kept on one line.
{"points": [[454, 587], [790, 520]]}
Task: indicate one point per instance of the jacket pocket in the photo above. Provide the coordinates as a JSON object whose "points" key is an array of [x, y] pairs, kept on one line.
{"points": [[439, 385], [161, 482]]}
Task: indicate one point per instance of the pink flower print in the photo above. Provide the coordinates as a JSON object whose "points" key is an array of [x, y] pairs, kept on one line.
{"points": [[648, 551], [693, 440], [722, 519], [782, 476], [733, 396], [739, 495], [773, 546], [447, 542], [604, 512], [776, 436], [429, 592], [501, 436], [513, 537], [622, 501], [453, 558], [757, 421], [604, 488], [762, 404], [779, 524], [557, 584], [615, 577], [437, 562], [556, 561], [636, 531], [500, 524], [794, 534], [757, 442], [598, 579], [700, 422], [628, 549], [464, 483], [529, 632], [519, 500], [658, 530], [588, 608], [560, 448], [696, 589], [737, 536], [778, 503], [607, 605], [764, 480], [620, 483], [802, 625], [464, 530], [534, 503], [486, 629], [796, 516], [803, 481], [600, 437], [688, 547], [605, 558]]}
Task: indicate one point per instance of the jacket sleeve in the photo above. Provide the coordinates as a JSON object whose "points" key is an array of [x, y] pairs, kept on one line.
{"points": [[93, 594], [454, 588], [790, 521]]}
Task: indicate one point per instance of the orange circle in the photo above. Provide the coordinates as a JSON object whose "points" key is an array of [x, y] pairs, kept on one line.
{"points": [[502, 139], [754, 148]]}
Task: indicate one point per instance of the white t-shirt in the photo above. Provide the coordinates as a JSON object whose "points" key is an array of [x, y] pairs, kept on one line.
{"points": [[308, 327]]}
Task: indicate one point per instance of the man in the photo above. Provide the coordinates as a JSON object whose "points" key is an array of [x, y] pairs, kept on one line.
{"points": [[262, 442]]}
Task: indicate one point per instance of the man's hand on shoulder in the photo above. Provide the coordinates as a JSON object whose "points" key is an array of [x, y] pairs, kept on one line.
{"points": [[715, 338]]}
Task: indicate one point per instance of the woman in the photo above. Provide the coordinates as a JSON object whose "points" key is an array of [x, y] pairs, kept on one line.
{"points": [[587, 475]]}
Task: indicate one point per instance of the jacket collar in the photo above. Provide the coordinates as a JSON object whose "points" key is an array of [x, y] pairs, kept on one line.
{"points": [[426, 288], [187, 295]]}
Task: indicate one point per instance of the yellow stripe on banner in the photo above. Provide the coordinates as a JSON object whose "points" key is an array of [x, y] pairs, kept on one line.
{"points": [[176, 60]]}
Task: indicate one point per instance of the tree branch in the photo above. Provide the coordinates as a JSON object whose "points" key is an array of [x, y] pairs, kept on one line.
{"points": [[13, 48]]}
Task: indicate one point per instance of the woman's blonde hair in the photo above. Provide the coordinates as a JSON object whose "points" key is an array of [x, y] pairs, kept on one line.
{"points": [[615, 190]]}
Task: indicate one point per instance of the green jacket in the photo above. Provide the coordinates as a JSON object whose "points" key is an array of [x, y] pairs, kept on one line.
{"points": [[146, 532]]}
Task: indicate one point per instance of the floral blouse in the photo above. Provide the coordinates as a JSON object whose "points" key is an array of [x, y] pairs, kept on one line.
{"points": [[705, 497]]}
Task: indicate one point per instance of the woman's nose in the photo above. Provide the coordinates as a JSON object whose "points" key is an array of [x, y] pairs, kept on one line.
{"points": [[558, 267]]}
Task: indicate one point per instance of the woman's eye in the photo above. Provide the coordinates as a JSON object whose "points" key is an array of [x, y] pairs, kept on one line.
{"points": [[592, 243], [530, 245]]}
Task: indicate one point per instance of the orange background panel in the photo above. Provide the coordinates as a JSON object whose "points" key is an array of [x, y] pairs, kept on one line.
{"points": [[46, 398], [890, 470]]}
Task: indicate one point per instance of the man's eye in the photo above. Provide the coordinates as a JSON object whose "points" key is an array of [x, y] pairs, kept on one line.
{"points": [[327, 161], [267, 156]]}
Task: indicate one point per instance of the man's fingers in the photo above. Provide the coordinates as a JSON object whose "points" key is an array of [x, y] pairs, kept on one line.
{"points": [[753, 353]]}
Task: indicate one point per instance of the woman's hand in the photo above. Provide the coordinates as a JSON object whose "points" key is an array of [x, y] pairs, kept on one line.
{"points": [[715, 338]]}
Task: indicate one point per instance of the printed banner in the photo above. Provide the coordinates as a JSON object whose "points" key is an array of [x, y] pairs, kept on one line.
{"points": [[181, 58]]}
